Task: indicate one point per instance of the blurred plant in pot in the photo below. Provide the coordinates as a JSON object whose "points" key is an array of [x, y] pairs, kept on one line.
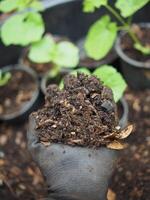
{"points": [[24, 27], [62, 54], [27, 29], [102, 34], [15, 26], [9, 53]]}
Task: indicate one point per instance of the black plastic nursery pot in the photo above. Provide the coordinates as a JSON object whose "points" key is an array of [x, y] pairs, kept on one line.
{"points": [[136, 73], [29, 104], [8, 54], [123, 110], [47, 79], [66, 18]]}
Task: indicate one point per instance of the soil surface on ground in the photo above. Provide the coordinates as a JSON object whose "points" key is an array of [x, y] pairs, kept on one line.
{"points": [[83, 113], [16, 93], [20, 179], [143, 35]]}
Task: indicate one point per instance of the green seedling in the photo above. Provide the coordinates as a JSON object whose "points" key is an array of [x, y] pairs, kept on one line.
{"points": [[108, 75], [112, 79], [22, 28], [7, 6], [102, 34], [61, 54], [4, 77]]}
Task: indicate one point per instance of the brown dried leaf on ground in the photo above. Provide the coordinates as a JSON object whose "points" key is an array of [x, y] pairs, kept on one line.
{"points": [[111, 195]]}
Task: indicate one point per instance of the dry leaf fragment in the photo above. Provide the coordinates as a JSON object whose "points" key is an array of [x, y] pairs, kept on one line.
{"points": [[45, 143], [111, 195], [116, 145], [125, 132]]}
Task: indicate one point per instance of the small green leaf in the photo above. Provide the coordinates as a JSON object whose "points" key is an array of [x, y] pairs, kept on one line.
{"points": [[18, 5], [61, 84], [4, 77], [54, 71], [129, 7], [22, 29], [144, 50], [82, 70], [91, 5], [100, 38], [113, 79], [66, 55], [42, 51]]}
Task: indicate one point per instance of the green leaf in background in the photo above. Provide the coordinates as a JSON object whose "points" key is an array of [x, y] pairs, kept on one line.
{"points": [[129, 7], [42, 51], [4, 77], [8, 5], [111, 78], [74, 72], [17, 5], [22, 29], [144, 50], [91, 5], [100, 38], [66, 55], [37, 5]]}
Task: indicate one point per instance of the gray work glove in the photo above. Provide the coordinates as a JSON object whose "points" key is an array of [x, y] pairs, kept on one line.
{"points": [[72, 173]]}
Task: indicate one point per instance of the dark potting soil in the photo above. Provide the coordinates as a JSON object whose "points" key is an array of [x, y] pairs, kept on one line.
{"points": [[91, 63], [83, 114], [143, 35], [17, 92]]}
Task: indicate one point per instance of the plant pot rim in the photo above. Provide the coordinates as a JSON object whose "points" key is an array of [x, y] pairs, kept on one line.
{"points": [[126, 58], [29, 104], [49, 4], [123, 121], [46, 77]]}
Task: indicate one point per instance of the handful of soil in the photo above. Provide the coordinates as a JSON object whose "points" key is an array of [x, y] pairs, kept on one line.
{"points": [[83, 113]]}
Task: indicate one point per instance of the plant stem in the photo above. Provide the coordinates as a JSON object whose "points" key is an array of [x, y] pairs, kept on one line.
{"points": [[133, 36], [112, 10], [130, 20], [124, 23]]}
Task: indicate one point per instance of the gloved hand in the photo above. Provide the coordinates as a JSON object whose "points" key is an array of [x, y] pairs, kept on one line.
{"points": [[72, 173]]}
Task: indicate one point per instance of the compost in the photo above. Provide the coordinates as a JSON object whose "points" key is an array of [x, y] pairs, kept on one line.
{"points": [[83, 113]]}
